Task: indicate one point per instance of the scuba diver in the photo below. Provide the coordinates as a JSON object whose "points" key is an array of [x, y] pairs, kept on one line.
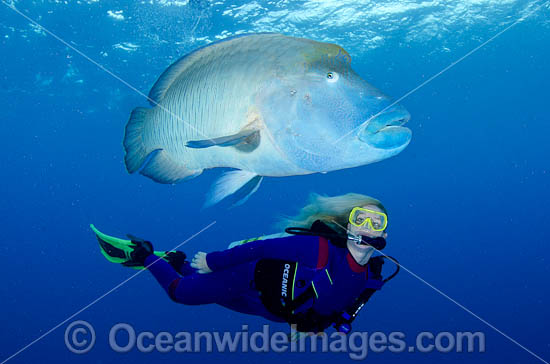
{"points": [[313, 276]]}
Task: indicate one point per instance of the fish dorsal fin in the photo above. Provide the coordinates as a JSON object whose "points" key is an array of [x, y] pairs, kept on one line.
{"points": [[177, 68]]}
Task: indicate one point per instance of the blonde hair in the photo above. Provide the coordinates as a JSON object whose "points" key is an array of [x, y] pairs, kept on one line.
{"points": [[333, 211]]}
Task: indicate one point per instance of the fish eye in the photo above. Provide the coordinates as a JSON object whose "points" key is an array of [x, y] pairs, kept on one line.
{"points": [[332, 76]]}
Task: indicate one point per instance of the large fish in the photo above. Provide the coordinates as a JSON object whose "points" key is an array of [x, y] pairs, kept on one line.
{"points": [[266, 105]]}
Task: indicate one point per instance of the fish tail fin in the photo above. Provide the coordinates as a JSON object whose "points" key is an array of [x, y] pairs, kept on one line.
{"points": [[136, 151], [153, 161], [241, 183]]}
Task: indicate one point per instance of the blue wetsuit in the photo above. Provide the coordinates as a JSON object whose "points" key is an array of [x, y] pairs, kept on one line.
{"points": [[338, 280]]}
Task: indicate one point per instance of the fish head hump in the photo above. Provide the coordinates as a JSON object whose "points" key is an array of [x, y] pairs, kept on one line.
{"points": [[323, 116]]}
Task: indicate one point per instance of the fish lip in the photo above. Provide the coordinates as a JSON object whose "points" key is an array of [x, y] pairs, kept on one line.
{"points": [[389, 138], [394, 117], [386, 130], [399, 120]]}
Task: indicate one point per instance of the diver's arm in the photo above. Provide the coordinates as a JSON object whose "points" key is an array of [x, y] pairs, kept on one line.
{"points": [[342, 322], [296, 248], [311, 322]]}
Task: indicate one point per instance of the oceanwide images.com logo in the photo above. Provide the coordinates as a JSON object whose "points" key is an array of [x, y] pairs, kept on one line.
{"points": [[80, 338]]}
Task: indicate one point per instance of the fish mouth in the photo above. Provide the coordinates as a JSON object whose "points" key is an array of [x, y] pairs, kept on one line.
{"points": [[386, 130]]}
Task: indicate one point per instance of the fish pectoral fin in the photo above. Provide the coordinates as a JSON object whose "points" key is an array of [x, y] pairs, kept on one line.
{"points": [[161, 168], [241, 183], [248, 136]]}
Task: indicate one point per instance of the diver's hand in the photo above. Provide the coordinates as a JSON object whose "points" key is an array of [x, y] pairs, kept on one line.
{"points": [[199, 262]]}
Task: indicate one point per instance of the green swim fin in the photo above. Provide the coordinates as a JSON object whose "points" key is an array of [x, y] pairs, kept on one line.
{"points": [[118, 250]]}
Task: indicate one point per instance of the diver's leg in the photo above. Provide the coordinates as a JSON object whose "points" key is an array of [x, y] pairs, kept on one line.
{"points": [[230, 288], [195, 288], [250, 303]]}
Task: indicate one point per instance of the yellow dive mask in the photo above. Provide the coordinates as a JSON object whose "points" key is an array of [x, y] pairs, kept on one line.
{"points": [[369, 219]]}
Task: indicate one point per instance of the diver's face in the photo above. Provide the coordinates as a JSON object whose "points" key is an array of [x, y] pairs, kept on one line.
{"points": [[364, 230]]}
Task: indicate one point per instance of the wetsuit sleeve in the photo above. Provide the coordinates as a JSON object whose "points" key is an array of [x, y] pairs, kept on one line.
{"points": [[311, 321], [297, 248], [342, 322], [346, 317]]}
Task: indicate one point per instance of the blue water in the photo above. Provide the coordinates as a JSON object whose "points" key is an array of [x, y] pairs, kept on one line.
{"points": [[468, 199]]}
